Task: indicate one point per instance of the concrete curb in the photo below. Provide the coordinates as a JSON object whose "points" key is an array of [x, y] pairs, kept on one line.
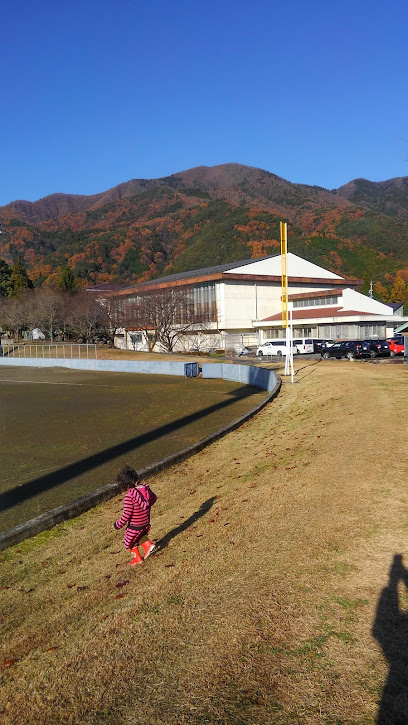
{"points": [[84, 503]]}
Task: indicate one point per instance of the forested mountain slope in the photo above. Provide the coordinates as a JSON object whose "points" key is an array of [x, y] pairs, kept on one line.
{"points": [[209, 215]]}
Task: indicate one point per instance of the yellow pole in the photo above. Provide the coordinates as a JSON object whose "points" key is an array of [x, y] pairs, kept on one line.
{"points": [[284, 270]]}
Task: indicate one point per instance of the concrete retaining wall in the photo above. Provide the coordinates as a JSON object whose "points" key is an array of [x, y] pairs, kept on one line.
{"points": [[246, 374], [238, 373], [166, 367]]}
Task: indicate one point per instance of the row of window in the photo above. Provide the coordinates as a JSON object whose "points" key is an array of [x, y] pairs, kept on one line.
{"points": [[189, 303], [317, 301], [297, 332], [332, 332]]}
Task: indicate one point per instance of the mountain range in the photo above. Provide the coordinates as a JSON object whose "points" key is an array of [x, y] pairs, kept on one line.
{"points": [[146, 228]]}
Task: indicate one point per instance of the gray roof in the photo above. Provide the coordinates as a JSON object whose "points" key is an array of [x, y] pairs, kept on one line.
{"points": [[395, 305], [217, 269], [105, 286]]}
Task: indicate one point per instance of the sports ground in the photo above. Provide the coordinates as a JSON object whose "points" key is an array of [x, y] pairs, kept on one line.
{"points": [[65, 433], [277, 594]]}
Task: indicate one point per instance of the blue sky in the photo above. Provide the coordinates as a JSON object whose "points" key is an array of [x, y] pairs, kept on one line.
{"points": [[96, 93]]}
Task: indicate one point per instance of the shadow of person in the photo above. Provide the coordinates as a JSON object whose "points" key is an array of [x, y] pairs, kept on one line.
{"points": [[204, 508], [390, 629]]}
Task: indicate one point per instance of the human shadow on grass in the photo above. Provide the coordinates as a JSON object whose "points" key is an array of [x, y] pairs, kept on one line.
{"points": [[44, 483], [390, 629], [204, 508]]}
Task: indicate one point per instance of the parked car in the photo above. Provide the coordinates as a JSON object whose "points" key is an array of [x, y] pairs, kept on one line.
{"points": [[304, 345], [350, 349], [379, 348], [396, 345], [274, 347], [319, 344]]}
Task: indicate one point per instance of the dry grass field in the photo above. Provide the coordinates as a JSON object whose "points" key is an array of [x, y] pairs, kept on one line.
{"points": [[276, 597], [67, 432]]}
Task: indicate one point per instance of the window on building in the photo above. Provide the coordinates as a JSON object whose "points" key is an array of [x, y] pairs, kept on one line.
{"points": [[273, 333], [317, 301], [204, 301], [335, 332], [135, 337], [304, 331], [199, 302], [366, 331]]}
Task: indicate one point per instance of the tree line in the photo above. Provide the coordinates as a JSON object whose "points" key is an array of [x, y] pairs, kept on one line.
{"points": [[64, 312]]}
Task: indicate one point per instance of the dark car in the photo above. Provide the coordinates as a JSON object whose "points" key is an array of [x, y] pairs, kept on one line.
{"points": [[351, 349], [379, 348], [396, 344], [319, 344]]}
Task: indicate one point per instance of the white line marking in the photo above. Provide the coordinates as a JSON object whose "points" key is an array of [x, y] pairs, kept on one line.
{"points": [[38, 382], [48, 382]]}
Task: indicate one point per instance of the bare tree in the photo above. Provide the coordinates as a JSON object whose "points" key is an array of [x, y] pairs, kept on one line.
{"points": [[164, 316], [15, 313], [85, 316], [47, 310], [113, 315], [139, 315]]}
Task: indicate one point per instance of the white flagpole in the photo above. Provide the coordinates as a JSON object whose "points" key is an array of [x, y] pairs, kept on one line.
{"points": [[289, 344], [291, 341]]}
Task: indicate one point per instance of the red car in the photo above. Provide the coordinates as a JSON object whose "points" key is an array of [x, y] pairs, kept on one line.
{"points": [[396, 344]]}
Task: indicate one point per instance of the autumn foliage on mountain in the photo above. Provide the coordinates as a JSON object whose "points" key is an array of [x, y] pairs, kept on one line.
{"points": [[205, 216]]}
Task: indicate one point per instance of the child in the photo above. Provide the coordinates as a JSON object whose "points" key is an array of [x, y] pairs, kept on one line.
{"points": [[136, 514]]}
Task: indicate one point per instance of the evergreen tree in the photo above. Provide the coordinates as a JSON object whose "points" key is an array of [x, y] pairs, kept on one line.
{"points": [[5, 276], [19, 280], [67, 281]]}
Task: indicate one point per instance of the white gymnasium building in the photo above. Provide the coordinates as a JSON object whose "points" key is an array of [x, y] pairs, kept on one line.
{"points": [[242, 301]]}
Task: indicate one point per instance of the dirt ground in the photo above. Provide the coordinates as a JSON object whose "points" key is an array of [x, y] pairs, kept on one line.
{"points": [[278, 593]]}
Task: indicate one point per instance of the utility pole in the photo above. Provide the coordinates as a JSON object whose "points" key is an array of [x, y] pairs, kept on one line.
{"points": [[370, 291]]}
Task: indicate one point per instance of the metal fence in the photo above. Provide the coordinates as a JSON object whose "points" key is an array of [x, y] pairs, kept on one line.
{"points": [[61, 351]]}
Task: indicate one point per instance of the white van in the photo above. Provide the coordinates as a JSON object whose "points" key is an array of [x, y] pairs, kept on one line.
{"points": [[304, 345], [274, 347]]}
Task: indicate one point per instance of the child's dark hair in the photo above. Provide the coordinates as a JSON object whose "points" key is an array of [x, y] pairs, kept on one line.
{"points": [[128, 477]]}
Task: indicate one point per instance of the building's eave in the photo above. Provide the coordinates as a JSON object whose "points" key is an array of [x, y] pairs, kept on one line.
{"points": [[317, 293], [294, 280], [320, 313], [341, 316], [164, 283]]}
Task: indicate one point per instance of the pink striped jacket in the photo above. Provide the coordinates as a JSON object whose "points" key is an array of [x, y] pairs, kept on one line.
{"points": [[136, 508]]}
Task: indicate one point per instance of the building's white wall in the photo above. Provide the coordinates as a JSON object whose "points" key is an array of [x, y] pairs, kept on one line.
{"points": [[297, 267], [139, 344], [353, 300], [120, 342], [301, 287], [243, 302], [220, 300], [192, 341]]}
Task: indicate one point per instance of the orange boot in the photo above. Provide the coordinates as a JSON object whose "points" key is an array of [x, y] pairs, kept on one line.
{"points": [[148, 548], [137, 559]]}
